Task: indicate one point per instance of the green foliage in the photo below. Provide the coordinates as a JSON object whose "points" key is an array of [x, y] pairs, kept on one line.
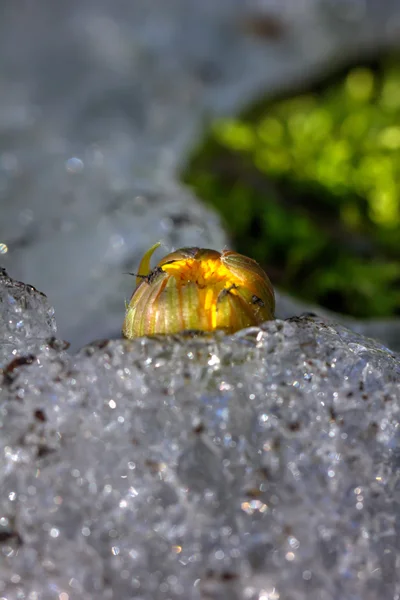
{"points": [[310, 187]]}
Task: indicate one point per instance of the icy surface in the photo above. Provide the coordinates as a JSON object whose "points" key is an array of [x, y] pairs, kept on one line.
{"points": [[259, 466], [26, 318], [103, 100]]}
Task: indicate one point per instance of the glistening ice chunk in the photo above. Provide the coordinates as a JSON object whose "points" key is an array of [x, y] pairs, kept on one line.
{"points": [[253, 466], [26, 318]]}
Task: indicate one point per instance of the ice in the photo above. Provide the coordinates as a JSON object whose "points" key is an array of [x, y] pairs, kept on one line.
{"points": [[262, 465], [26, 318]]}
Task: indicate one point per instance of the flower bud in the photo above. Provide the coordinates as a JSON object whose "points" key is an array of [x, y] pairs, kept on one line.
{"points": [[198, 289]]}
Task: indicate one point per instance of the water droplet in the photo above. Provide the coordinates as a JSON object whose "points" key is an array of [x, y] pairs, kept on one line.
{"points": [[74, 165], [54, 532]]}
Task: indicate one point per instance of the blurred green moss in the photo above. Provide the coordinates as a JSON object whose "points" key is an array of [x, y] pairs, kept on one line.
{"points": [[310, 187]]}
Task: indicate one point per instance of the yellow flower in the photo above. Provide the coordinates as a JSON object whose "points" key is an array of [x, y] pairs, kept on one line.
{"points": [[198, 289]]}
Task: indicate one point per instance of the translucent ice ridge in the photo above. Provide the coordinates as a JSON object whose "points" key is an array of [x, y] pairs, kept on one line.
{"points": [[26, 318], [259, 466]]}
